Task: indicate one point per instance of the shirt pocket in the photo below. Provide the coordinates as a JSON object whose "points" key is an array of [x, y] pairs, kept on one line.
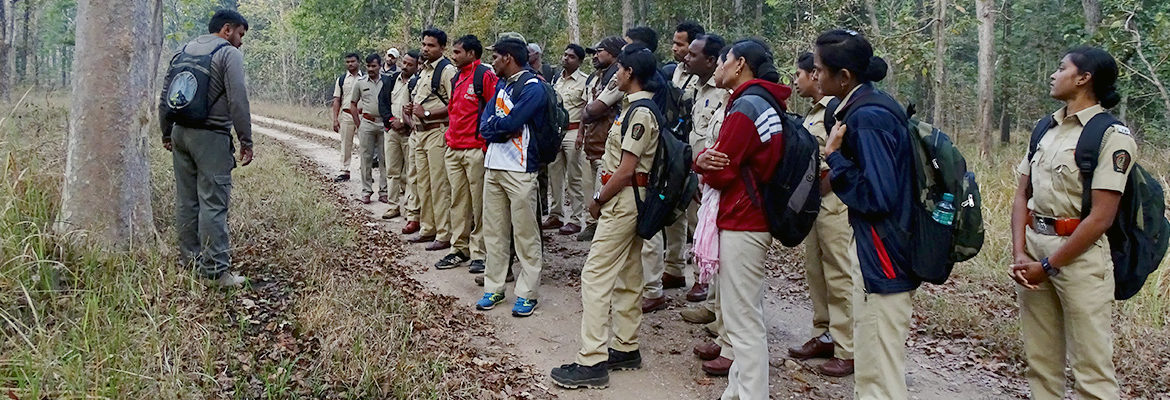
{"points": [[1066, 178]]}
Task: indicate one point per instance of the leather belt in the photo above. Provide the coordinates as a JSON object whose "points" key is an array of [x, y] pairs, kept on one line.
{"points": [[372, 118], [642, 179], [430, 125], [1053, 226], [573, 126]]}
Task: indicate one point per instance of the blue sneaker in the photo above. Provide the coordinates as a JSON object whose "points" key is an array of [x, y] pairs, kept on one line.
{"points": [[489, 301], [523, 307]]}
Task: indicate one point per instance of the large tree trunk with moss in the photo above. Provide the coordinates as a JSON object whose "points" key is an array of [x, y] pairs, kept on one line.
{"points": [[984, 10], [107, 173]]}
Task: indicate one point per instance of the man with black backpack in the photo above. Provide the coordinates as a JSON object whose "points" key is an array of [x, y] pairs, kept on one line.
{"points": [[203, 98], [473, 85], [432, 93], [342, 122], [510, 125]]}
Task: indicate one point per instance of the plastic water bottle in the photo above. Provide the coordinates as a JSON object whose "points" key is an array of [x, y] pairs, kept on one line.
{"points": [[944, 212]]}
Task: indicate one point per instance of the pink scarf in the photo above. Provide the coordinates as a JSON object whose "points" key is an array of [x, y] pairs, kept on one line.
{"points": [[706, 245]]}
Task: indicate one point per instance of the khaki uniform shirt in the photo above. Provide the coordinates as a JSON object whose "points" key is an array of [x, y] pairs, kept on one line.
{"points": [[365, 94], [571, 90], [346, 89], [815, 123], [641, 138], [422, 91], [611, 95], [399, 97], [686, 81], [710, 102], [1056, 180]]}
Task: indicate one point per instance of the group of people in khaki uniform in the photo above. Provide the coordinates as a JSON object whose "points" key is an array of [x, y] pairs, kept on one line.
{"points": [[473, 189]]}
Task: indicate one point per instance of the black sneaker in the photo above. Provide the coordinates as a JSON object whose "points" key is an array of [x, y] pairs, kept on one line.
{"points": [[624, 360], [451, 261], [341, 178], [476, 267], [576, 376]]}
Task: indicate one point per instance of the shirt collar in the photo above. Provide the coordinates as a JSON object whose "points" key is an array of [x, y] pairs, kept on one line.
{"points": [[642, 95], [576, 75], [516, 76], [470, 66], [433, 64], [1083, 116]]}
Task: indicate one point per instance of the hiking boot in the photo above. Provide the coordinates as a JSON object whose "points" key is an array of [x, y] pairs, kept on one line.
{"points": [[697, 293], [586, 234], [652, 305], [421, 239], [489, 301], [552, 223], [391, 213], [451, 261], [697, 315], [624, 360], [569, 229], [228, 279], [410, 228], [836, 367], [343, 177], [673, 281], [523, 307], [510, 278], [707, 351], [814, 348], [576, 376], [476, 267], [365, 199], [438, 245], [717, 367]]}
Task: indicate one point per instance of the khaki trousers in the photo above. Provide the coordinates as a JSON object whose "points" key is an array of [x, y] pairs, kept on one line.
{"points": [[713, 304], [413, 210], [466, 173], [832, 272], [1071, 315], [611, 282], [347, 131], [671, 243], [371, 136], [397, 151], [882, 324], [741, 287], [509, 204], [593, 184], [434, 190], [567, 174]]}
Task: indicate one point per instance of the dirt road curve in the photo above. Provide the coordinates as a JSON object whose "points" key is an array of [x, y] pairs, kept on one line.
{"points": [[550, 337]]}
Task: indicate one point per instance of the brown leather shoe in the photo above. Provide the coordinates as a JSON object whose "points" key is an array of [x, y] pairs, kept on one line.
{"points": [[551, 223], [570, 229], [837, 367], [410, 228], [697, 293], [707, 351], [697, 315], [814, 348], [438, 245], [718, 366], [652, 305], [365, 199], [673, 281], [421, 239], [511, 278], [391, 213]]}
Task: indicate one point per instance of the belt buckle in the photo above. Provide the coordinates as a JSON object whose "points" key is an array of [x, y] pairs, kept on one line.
{"points": [[1043, 227]]}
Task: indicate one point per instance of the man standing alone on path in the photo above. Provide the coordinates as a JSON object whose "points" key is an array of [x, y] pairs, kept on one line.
{"points": [[342, 122], [202, 151], [567, 173], [431, 95], [363, 106], [474, 84]]}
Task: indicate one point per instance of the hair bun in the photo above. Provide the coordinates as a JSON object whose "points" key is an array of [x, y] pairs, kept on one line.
{"points": [[877, 69], [1111, 98]]}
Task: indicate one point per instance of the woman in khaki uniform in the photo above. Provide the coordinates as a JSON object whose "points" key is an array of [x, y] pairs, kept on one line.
{"points": [[1062, 262], [611, 280]]}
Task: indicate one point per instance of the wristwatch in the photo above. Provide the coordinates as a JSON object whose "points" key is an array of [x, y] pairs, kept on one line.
{"points": [[597, 197], [427, 113], [1048, 268]]}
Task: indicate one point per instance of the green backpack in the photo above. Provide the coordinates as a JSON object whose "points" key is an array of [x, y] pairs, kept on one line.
{"points": [[939, 168]]}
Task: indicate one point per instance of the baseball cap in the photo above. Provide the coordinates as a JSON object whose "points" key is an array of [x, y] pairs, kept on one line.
{"points": [[612, 44], [393, 52]]}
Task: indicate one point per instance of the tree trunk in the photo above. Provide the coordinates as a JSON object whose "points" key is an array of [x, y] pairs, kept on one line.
{"points": [[921, 86], [1092, 15], [940, 64], [873, 19], [574, 24], [627, 15], [1007, 112], [5, 51], [738, 8], [22, 54], [107, 174], [759, 17], [407, 22], [455, 14], [984, 10]]}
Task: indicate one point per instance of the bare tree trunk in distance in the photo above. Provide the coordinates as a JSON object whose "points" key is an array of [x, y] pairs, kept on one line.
{"points": [[107, 172], [873, 19], [984, 10], [5, 50], [627, 15], [574, 24], [1007, 112], [1092, 15], [940, 64], [455, 14]]}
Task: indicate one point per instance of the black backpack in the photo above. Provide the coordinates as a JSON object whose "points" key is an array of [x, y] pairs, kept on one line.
{"points": [[939, 168], [674, 110], [188, 85], [830, 115], [672, 184], [386, 97], [791, 198], [547, 136], [1139, 235]]}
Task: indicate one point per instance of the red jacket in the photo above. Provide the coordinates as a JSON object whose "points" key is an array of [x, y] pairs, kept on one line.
{"points": [[463, 110], [752, 140]]}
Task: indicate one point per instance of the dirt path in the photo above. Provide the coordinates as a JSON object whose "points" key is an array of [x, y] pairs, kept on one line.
{"points": [[550, 337]]}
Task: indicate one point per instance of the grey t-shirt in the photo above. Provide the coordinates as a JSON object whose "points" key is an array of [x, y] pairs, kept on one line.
{"points": [[227, 89]]}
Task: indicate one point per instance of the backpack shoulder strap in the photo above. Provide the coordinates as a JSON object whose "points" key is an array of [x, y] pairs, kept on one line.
{"points": [[830, 113], [477, 83], [413, 83], [437, 79], [647, 103], [518, 87], [1042, 127], [1088, 151]]}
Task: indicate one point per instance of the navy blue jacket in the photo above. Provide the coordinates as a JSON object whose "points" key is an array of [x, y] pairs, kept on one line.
{"points": [[872, 173], [526, 111]]}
